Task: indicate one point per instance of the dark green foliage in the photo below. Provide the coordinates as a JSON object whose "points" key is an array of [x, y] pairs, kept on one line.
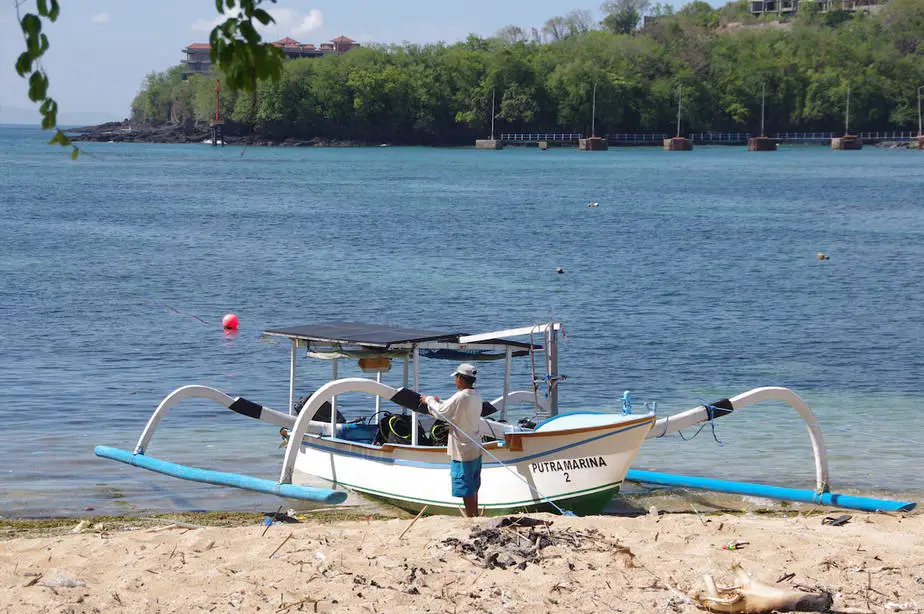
{"points": [[441, 94]]}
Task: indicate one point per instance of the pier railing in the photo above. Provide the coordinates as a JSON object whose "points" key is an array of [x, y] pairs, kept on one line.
{"points": [[720, 138], [535, 137], [869, 137], [636, 138]]}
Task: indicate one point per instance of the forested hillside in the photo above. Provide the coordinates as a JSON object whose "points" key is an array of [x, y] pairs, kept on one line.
{"points": [[441, 93]]}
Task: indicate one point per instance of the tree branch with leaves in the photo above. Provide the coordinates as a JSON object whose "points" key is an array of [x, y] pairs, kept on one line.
{"points": [[236, 46]]}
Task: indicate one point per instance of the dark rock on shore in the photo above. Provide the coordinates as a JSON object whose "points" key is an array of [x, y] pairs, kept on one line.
{"points": [[126, 132]]}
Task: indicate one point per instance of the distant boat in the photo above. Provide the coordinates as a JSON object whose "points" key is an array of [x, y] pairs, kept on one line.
{"points": [[209, 142], [593, 204]]}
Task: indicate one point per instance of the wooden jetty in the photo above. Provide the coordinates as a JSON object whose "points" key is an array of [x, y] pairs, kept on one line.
{"points": [[534, 139]]}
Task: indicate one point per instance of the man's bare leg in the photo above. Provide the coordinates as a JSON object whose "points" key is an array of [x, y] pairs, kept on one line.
{"points": [[471, 505]]}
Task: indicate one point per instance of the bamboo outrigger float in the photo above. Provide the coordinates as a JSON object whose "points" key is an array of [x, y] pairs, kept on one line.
{"points": [[565, 462]]}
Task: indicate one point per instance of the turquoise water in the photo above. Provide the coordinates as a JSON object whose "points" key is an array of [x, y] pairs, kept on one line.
{"points": [[695, 279]]}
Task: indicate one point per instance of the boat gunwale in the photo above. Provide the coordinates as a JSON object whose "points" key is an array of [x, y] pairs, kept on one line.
{"points": [[391, 448]]}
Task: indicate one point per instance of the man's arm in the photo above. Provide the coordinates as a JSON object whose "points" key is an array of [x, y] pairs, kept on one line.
{"points": [[444, 409]]}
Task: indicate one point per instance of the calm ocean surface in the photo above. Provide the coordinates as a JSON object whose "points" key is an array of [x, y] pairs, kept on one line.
{"points": [[695, 279]]}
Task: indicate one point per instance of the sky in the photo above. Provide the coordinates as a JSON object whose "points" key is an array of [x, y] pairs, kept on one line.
{"points": [[101, 50]]}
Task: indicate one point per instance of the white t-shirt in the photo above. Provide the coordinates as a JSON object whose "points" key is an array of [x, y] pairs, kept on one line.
{"points": [[463, 409]]}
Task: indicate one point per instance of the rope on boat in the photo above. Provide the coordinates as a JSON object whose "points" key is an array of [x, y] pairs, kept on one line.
{"points": [[531, 487], [710, 420]]}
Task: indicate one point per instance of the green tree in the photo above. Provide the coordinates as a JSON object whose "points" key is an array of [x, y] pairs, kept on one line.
{"points": [[236, 46]]}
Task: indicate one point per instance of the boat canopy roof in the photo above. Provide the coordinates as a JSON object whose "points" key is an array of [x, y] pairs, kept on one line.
{"points": [[383, 338]]}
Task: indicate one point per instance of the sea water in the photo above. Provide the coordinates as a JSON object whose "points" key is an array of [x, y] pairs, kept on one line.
{"points": [[696, 278]]}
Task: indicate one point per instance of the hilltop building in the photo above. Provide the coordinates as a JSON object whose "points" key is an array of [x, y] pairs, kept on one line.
{"points": [[789, 7], [197, 59]]}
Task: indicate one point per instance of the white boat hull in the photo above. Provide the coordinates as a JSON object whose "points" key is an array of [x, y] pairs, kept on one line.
{"points": [[577, 469]]}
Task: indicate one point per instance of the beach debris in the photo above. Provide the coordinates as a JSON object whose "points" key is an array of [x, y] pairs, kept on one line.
{"points": [[278, 516], [836, 521], [408, 528], [81, 526], [735, 544], [750, 596], [279, 547], [514, 542], [62, 579]]}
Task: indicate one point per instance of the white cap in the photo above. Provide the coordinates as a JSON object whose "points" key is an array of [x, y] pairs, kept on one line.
{"points": [[465, 369]]}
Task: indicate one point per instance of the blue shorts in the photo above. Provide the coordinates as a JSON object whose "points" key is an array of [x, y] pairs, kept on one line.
{"points": [[466, 477]]}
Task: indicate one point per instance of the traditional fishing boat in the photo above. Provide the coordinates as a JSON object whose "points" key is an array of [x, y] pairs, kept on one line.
{"points": [[567, 462]]}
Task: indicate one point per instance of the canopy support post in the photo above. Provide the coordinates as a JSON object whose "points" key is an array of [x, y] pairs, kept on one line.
{"points": [[378, 399], [292, 377], [507, 360], [335, 363], [405, 367]]}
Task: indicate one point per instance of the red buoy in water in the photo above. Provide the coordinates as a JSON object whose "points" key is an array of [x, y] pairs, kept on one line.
{"points": [[229, 322]]}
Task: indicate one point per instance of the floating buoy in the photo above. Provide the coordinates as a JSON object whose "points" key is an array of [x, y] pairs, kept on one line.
{"points": [[823, 256], [229, 322], [560, 271]]}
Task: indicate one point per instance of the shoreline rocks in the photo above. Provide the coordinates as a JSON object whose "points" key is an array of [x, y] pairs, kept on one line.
{"points": [[125, 132]]}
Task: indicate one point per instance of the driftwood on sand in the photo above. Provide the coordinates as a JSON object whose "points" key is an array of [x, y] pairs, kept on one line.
{"points": [[751, 596]]}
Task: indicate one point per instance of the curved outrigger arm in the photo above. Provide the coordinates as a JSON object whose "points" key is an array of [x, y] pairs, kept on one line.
{"points": [[320, 396], [677, 422], [822, 494], [237, 404], [240, 405]]}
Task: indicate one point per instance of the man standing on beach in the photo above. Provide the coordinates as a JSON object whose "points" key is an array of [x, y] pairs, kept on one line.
{"points": [[462, 411]]}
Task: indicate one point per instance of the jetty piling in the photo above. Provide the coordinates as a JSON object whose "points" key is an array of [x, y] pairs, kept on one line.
{"points": [[491, 143], [594, 142], [848, 142], [678, 143], [762, 142]]}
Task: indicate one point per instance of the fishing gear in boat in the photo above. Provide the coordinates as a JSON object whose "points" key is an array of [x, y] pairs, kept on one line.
{"points": [[439, 433], [397, 428]]}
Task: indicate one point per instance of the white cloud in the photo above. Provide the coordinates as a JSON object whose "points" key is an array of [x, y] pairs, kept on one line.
{"points": [[207, 25], [291, 22], [100, 18], [288, 22]]}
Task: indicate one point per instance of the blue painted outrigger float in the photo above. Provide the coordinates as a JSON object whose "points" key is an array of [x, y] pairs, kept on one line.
{"points": [[412, 344], [821, 495]]}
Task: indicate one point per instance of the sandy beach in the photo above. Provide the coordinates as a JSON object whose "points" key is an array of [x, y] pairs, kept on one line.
{"points": [[648, 563]]}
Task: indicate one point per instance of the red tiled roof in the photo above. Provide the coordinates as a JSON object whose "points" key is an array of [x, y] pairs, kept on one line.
{"points": [[342, 39], [199, 46], [308, 46], [287, 42]]}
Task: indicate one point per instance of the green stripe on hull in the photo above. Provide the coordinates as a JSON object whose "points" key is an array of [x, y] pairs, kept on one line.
{"points": [[582, 505]]}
